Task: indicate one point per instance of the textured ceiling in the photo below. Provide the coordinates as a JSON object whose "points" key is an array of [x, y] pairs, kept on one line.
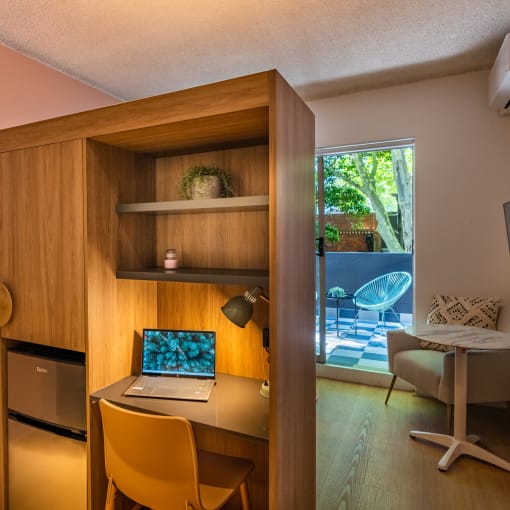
{"points": [[133, 48]]}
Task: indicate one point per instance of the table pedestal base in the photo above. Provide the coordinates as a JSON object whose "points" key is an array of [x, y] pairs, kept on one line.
{"points": [[457, 447]]}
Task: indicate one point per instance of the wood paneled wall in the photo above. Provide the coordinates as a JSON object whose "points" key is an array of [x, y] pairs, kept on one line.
{"points": [[117, 310], [239, 351], [41, 243], [234, 240], [292, 270]]}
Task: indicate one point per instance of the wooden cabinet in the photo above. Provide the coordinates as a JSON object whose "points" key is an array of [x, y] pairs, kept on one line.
{"points": [[99, 205], [42, 245]]}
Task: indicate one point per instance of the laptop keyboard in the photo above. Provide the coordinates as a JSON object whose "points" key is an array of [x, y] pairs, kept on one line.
{"points": [[173, 387]]}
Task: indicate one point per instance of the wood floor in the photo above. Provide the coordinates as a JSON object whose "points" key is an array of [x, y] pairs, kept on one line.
{"points": [[366, 460]]}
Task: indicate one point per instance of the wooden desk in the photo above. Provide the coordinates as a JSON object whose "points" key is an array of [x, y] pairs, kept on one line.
{"points": [[461, 338], [234, 421]]}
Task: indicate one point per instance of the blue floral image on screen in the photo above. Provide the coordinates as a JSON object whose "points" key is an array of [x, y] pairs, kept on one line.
{"points": [[181, 352]]}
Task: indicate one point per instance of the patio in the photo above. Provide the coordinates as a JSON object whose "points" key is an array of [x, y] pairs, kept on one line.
{"points": [[362, 347]]}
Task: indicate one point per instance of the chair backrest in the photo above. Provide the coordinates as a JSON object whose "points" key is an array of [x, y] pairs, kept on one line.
{"points": [[384, 290], [152, 459]]}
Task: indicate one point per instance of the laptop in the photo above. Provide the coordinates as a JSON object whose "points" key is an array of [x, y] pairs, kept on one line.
{"points": [[176, 364]]}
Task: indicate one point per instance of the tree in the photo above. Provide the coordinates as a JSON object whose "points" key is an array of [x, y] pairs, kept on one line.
{"points": [[402, 172], [380, 176]]}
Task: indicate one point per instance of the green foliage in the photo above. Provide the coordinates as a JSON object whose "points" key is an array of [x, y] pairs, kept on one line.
{"points": [[199, 171], [331, 233], [351, 201], [343, 171], [384, 178]]}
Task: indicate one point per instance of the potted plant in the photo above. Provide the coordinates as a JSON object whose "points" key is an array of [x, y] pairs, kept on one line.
{"points": [[205, 181]]}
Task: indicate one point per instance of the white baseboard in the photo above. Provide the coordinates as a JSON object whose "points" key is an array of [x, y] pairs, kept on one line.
{"points": [[356, 375]]}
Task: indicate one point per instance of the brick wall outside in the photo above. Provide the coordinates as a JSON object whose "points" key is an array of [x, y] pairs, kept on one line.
{"points": [[356, 233]]}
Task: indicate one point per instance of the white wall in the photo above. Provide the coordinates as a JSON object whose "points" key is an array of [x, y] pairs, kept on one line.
{"points": [[462, 178]]}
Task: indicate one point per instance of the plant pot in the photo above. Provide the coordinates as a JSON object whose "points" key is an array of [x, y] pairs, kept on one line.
{"points": [[206, 186]]}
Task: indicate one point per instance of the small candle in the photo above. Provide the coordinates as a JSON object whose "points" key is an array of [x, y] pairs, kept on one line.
{"points": [[170, 261]]}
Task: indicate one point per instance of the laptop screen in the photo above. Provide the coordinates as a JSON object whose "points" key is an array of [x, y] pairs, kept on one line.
{"points": [[178, 352]]}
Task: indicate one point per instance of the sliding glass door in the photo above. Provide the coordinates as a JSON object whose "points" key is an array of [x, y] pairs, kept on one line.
{"points": [[364, 225]]}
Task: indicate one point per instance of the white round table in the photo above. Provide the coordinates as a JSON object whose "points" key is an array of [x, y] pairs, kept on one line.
{"points": [[461, 338]]}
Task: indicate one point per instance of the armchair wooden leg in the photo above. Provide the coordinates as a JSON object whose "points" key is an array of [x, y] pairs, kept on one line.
{"points": [[390, 389]]}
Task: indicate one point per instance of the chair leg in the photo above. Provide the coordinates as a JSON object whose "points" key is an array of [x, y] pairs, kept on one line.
{"points": [[399, 317], [111, 492], [390, 389], [355, 323], [244, 496]]}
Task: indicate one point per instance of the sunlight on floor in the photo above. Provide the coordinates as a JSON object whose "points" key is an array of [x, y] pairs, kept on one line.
{"points": [[361, 345]]}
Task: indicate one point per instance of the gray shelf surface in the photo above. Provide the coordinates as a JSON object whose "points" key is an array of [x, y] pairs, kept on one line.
{"points": [[198, 275]]}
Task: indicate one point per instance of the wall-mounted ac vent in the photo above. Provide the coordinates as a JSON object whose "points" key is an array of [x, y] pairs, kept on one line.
{"points": [[499, 80]]}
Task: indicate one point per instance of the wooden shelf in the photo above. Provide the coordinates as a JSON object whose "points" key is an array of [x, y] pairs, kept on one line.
{"points": [[206, 205], [197, 275]]}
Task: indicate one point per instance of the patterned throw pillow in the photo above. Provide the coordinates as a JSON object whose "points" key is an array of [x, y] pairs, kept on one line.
{"points": [[477, 312]]}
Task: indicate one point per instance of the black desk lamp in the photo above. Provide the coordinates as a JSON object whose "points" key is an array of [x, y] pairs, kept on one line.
{"points": [[239, 310]]}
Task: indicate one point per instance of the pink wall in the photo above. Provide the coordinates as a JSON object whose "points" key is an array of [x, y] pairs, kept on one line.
{"points": [[30, 91]]}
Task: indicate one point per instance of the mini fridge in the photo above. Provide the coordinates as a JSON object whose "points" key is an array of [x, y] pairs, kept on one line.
{"points": [[46, 429]]}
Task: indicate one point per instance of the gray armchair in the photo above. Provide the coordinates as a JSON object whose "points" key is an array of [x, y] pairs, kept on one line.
{"points": [[432, 372]]}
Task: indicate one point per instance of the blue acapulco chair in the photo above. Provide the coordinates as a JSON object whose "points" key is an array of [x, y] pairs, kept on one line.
{"points": [[381, 293]]}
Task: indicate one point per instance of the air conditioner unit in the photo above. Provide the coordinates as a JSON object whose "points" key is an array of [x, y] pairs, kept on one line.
{"points": [[499, 80]]}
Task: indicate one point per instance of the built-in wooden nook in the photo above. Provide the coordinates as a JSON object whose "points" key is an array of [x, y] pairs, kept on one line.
{"points": [[88, 207]]}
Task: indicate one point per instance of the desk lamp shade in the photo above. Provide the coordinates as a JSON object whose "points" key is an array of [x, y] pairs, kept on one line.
{"points": [[239, 309]]}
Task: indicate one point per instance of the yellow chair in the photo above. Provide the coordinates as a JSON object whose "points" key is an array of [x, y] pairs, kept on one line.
{"points": [[154, 461]]}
